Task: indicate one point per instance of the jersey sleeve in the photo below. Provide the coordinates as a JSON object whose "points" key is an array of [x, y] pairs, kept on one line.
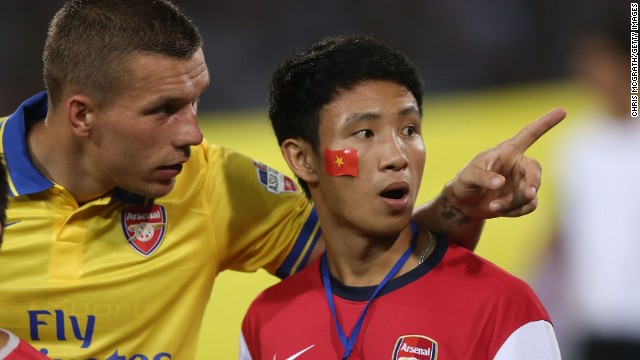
{"points": [[522, 328], [249, 329], [243, 353], [535, 340], [260, 218]]}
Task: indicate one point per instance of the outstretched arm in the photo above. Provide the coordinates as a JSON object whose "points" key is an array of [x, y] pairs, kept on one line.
{"points": [[500, 181]]}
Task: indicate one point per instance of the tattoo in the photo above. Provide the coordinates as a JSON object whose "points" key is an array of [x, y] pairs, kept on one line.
{"points": [[452, 213]]}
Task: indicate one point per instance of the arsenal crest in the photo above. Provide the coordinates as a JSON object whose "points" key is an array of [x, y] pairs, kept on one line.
{"points": [[415, 347], [144, 227]]}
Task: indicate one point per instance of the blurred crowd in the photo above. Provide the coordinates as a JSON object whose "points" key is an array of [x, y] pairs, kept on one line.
{"points": [[590, 277], [458, 45]]}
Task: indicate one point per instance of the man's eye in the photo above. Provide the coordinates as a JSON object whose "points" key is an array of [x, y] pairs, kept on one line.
{"points": [[165, 109], [364, 134], [409, 130]]}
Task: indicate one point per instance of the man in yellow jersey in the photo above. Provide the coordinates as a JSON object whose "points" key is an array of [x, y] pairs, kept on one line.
{"points": [[121, 215]]}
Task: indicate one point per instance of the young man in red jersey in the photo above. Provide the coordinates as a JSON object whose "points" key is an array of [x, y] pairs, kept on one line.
{"points": [[347, 114]]}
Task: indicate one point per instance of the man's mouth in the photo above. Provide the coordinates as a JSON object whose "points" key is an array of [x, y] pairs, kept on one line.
{"points": [[395, 191], [176, 167]]}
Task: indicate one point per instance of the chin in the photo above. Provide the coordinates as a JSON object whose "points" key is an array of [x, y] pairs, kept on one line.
{"points": [[390, 227], [154, 190], [161, 191]]}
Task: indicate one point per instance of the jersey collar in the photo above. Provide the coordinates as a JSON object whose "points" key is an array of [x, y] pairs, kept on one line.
{"points": [[24, 178]]}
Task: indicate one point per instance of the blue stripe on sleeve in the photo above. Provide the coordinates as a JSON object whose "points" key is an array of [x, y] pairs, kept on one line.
{"points": [[292, 263]]}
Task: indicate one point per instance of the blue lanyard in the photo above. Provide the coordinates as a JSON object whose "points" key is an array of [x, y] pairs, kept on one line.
{"points": [[349, 343]]}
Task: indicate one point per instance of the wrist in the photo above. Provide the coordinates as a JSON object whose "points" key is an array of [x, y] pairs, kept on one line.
{"points": [[454, 222]]}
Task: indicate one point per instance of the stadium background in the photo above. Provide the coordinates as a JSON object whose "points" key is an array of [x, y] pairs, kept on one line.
{"points": [[489, 68]]}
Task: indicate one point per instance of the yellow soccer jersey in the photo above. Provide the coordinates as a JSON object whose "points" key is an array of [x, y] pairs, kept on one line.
{"points": [[124, 277]]}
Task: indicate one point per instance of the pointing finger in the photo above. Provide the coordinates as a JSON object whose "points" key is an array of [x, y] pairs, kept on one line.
{"points": [[534, 130]]}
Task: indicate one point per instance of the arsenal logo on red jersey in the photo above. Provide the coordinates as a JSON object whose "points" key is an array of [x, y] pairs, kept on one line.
{"points": [[415, 347], [144, 227]]}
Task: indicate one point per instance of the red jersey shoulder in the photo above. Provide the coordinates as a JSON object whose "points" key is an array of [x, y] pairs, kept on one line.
{"points": [[493, 284], [292, 287]]}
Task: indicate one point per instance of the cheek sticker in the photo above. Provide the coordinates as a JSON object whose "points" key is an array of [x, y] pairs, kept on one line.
{"points": [[341, 162]]}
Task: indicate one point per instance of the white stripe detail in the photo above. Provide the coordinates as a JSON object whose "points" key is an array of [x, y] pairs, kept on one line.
{"points": [[535, 340], [244, 350]]}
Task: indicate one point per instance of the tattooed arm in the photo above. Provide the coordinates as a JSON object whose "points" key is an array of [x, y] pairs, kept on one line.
{"points": [[497, 182]]}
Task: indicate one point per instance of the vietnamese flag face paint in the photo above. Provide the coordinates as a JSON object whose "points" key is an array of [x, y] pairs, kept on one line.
{"points": [[341, 162]]}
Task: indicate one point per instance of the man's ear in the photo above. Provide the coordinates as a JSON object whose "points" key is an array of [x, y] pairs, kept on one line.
{"points": [[81, 113], [301, 159]]}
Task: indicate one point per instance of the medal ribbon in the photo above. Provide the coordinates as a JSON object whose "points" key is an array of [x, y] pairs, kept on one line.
{"points": [[349, 343]]}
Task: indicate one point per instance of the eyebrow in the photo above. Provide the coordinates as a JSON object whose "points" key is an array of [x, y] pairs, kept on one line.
{"points": [[410, 110], [158, 102]]}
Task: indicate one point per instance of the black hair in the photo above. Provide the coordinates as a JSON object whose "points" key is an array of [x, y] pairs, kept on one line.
{"points": [[310, 79]]}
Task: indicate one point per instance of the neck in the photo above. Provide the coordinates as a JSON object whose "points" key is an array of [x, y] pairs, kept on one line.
{"points": [[359, 260], [60, 158]]}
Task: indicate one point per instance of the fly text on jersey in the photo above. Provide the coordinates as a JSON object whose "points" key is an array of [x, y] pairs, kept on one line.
{"points": [[70, 327]]}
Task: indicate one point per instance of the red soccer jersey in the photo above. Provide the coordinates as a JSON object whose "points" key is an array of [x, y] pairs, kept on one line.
{"points": [[18, 349], [455, 305]]}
